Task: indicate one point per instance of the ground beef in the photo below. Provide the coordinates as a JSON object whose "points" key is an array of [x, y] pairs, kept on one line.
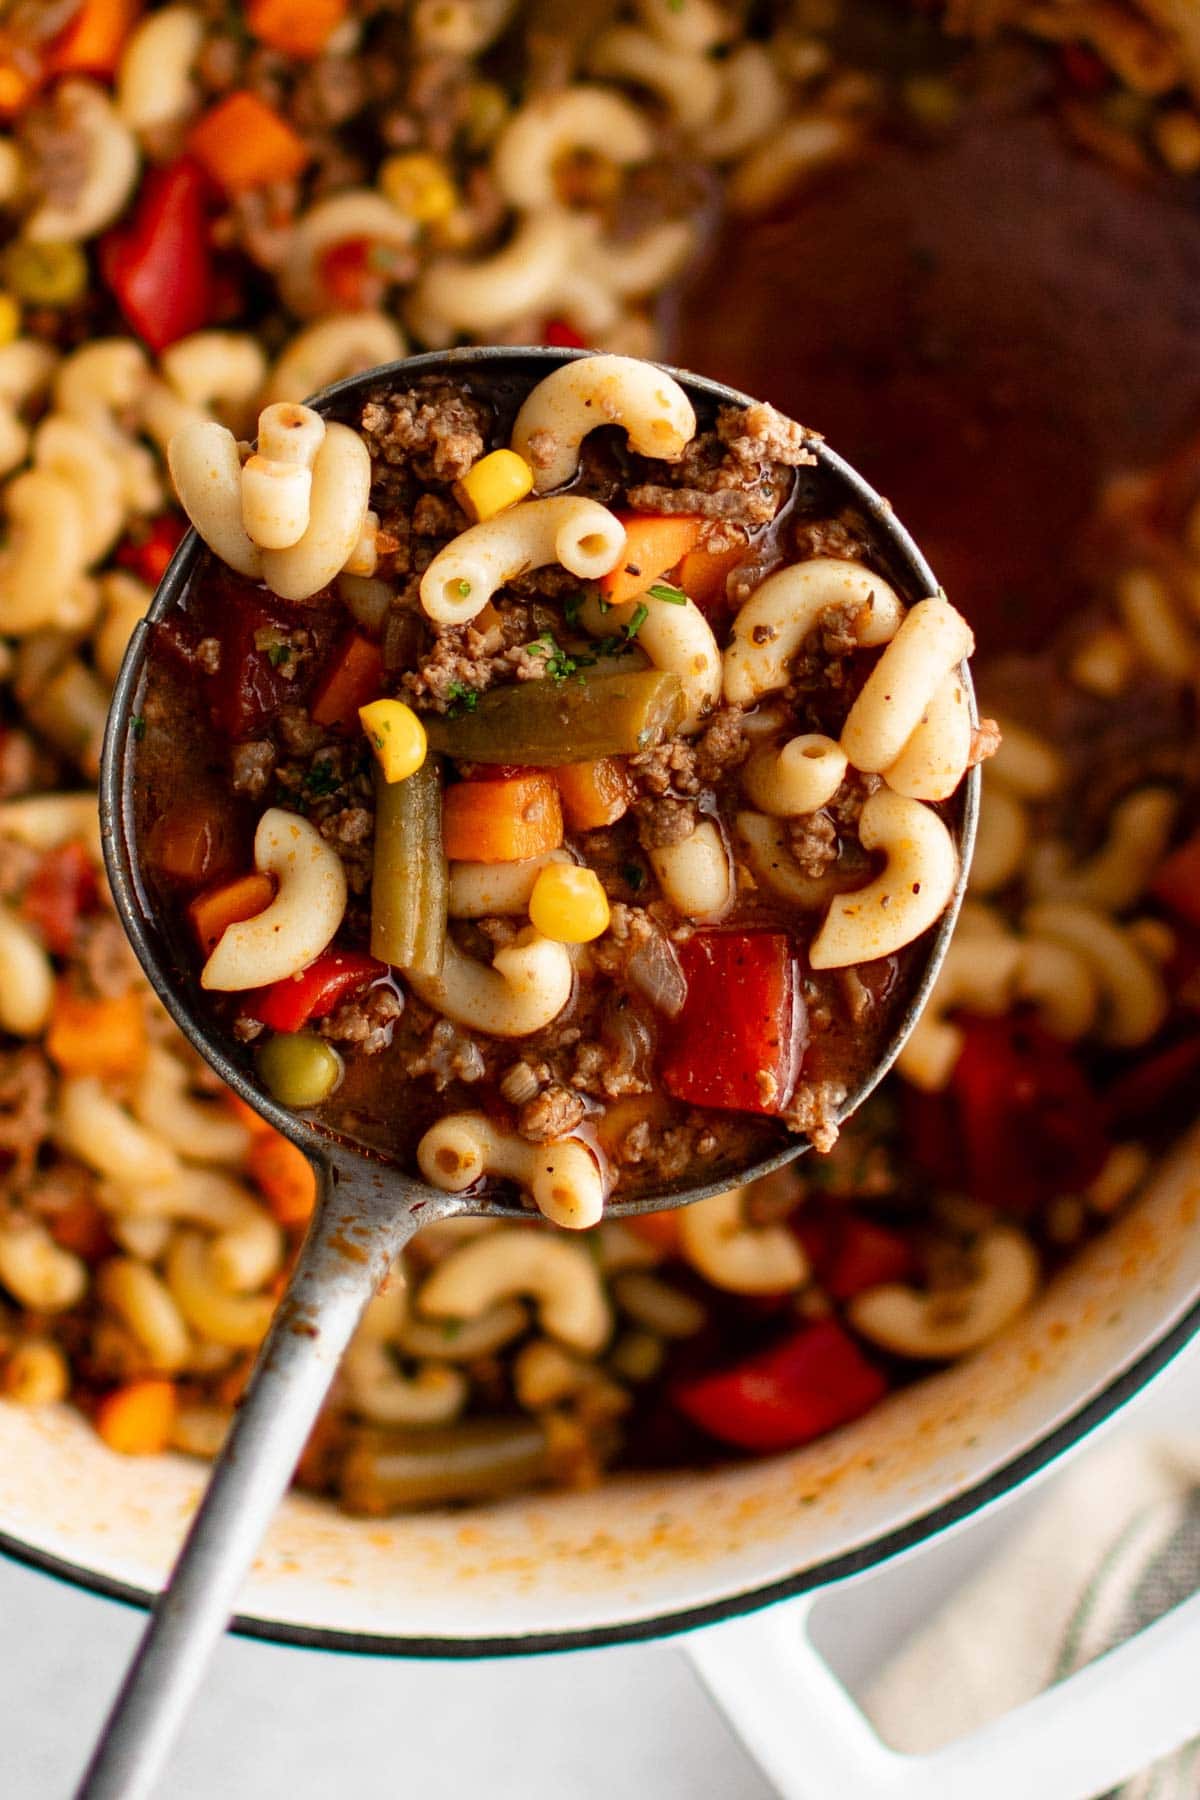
{"points": [[666, 1156], [106, 965], [433, 428], [25, 1108], [814, 1111], [208, 654], [823, 662], [827, 537], [985, 741], [297, 733], [759, 433], [813, 841], [253, 766], [351, 830], [730, 505], [436, 515], [845, 809], [723, 745], [465, 660], [328, 92], [553, 1113], [605, 1071], [669, 768], [521, 1081], [664, 822], [365, 1022], [449, 1054]]}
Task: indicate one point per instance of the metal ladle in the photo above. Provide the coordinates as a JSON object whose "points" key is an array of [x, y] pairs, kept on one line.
{"points": [[367, 1208]]}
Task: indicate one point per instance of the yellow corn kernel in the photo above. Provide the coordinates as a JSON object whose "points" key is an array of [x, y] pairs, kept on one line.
{"points": [[494, 484], [397, 737], [569, 904], [10, 318], [419, 186]]}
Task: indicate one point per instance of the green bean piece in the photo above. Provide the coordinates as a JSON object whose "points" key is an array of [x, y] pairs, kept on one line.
{"points": [[299, 1069], [410, 886], [477, 1459], [547, 723]]}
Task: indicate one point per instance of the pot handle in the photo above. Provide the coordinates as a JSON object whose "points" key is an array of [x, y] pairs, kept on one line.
{"points": [[1079, 1738]]}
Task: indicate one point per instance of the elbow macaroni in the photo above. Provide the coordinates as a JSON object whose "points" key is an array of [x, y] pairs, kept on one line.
{"points": [[580, 534], [786, 608], [562, 1178], [558, 1276], [562, 409], [301, 920], [910, 894]]}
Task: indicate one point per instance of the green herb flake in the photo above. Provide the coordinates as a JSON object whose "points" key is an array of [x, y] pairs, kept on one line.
{"points": [[664, 590], [572, 607], [138, 728], [321, 779], [641, 613], [463, 589], [462, 699], [634, 876], [279, 653], [451, 1329]]}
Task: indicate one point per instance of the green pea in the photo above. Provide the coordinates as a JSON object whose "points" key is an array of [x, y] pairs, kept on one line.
{"points": [[45, 274], [299, 1069]]}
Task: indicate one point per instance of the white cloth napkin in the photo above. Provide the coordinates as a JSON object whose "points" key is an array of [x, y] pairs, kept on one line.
{"points": [[1116, 1545]]}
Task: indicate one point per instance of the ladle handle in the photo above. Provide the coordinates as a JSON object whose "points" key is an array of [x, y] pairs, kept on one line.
{"points": [[358, 1228]]}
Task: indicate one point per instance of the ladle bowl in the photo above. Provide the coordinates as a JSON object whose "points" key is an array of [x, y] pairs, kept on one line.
{"points": [[367, 1206]]}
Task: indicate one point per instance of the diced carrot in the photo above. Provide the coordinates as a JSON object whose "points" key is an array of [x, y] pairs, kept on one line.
{"points": [[216, 908], [285, 1176], [16, 88], [82, 1228], [703, 574], [351, 679], [106, 1036], [295, 27], [661, 1229], [195, 841], [654, 543], [93, 41], [594, 793], [502, 821], [137, 1419], [245, 144]]}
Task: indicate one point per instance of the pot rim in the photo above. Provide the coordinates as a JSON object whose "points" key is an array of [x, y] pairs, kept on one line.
{"points": [[924, 1526]]}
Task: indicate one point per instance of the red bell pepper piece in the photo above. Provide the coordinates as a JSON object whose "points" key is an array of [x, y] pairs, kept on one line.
{"points": [[786, 1395], [62, 889], [160, 266], [351, 678], [1153, 1085], [561, 335], [1177, 883], [1032, 1126], [248, 687], [354, 274], [739, 1040], [147, 553], [333, 977], [850, 1254]]}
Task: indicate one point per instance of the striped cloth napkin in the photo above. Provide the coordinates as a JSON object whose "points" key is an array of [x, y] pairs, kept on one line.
{"points": [[1116, 1545]]}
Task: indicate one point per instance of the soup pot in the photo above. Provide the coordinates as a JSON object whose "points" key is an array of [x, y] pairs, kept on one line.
{"points": [[710, 1554]]}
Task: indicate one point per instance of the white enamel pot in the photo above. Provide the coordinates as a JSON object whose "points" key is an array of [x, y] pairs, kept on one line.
{"points": [[712, 1555]]}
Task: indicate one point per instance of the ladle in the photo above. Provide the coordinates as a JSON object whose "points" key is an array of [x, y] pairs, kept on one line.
{"points": [[367, 1209]]}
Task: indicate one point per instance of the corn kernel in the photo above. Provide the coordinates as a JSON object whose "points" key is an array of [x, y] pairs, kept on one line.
{"points": [[419, 186], [569, 904], [10, 318], [45, 274], [494, 484], [397, 737]]}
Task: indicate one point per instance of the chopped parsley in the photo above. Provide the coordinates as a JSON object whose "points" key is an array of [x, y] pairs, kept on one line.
{"points": [[464, 589], [664, 590], [634, 876], [463, 699], [279, 653], [138, 727], [452, 1328], [572, 606], [638, 618], [559, 665], [320, 780]]}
